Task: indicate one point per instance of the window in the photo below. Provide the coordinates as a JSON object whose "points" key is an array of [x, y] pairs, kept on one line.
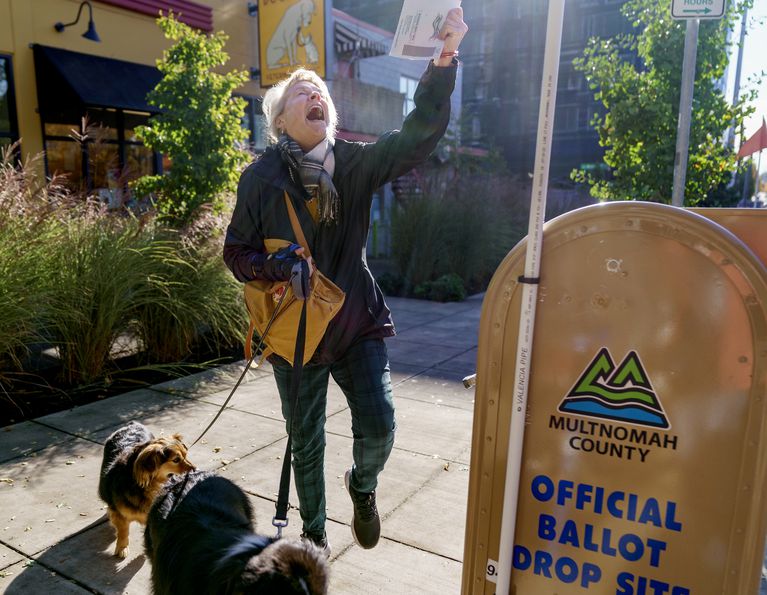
{"points": [[567, 118], [98, 152], [8, 128], [476, 128], [407, 87], [253, 121], [583, 118]]}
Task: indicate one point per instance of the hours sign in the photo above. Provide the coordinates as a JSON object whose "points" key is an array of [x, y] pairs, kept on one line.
{"points": [[697, 9]]}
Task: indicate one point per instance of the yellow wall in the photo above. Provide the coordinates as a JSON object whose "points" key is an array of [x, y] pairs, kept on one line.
{"points": [[125, 35]]}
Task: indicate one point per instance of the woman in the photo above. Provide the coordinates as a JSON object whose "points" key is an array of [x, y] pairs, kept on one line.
{"points": [[330, 183]]}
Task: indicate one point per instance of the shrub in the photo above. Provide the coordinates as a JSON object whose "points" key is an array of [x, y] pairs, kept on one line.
{"points": [[466, 231], [25, 246], [102, 265], [448, 288], [80, 279], [391, 283], [196, 302], [199, 127]]}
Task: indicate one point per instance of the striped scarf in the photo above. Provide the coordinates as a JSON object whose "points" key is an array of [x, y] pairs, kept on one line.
{"points": [[315, 170]]}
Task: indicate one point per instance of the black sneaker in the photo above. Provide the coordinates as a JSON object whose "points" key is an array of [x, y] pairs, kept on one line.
{"points": [[321, 541], [366, 525]]}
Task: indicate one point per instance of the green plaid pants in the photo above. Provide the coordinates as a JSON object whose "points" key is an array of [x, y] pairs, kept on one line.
{"points": [[363, 375]]}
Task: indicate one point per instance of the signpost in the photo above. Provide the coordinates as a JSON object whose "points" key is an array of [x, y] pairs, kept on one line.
{"points": [[697, 9], [691, 11]]}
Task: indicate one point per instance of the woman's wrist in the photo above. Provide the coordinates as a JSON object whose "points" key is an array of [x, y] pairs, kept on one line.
{"points": [[446, 58]]}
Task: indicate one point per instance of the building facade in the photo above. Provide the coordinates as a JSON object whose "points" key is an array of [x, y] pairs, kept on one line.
{"points": [[76, 93], [373, 93], [503, 62], [78, 97]]}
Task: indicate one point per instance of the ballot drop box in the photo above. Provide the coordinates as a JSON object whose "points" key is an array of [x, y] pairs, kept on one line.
{"points": [[644, 461]]}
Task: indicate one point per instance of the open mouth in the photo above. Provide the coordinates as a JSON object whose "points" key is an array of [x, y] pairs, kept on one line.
{"points": [[316, 113]]}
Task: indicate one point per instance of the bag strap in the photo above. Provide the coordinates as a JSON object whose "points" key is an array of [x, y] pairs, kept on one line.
{"points": [[297, 230]]}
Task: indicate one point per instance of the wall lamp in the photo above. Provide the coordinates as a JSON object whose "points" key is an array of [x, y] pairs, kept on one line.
{"points": [[91, 32]]}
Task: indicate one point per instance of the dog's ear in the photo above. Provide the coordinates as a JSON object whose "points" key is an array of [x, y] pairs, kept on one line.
{"points": [[180, 439], [146, 465]]}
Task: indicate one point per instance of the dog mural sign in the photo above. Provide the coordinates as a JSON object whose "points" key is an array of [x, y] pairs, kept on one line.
{"points": [[643, 469], [291, 35]]}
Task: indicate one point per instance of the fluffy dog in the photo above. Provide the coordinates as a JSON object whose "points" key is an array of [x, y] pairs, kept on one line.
{"points": [[200, 539], [134, 468]]}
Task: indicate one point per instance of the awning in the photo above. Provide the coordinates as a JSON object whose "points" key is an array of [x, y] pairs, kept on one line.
{"points": [[350, 43], [71, 80]]}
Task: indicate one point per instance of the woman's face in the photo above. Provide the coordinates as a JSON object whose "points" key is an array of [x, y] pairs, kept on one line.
{"points": [[305, 117]]}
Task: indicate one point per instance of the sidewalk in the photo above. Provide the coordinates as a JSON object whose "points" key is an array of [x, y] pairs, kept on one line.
{"points": [[55, 538]]}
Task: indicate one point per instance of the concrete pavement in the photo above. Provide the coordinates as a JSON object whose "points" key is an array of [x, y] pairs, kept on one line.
{"points": [[54, 535]]}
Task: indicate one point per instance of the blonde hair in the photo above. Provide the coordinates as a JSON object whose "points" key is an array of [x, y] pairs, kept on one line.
{"points": [[276, 97]]}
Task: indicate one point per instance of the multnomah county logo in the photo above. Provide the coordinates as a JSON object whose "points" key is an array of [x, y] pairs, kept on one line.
{"points": [[620, 393]]}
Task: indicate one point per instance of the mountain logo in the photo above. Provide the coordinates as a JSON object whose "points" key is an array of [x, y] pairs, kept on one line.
{"points": [[618, 393]]}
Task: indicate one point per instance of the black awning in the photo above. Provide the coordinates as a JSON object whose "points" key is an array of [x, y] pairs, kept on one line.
{"points": [[350, 43], [71, 80]]}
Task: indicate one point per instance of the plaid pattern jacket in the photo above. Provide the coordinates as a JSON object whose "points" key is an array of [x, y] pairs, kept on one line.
{"points": [[339, 249]]}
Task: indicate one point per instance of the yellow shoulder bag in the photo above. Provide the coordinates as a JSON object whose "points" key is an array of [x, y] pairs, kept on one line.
{"points": [[262, 297]]}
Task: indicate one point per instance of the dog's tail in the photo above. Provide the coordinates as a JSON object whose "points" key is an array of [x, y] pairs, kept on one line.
{"points": [[267, 565]]}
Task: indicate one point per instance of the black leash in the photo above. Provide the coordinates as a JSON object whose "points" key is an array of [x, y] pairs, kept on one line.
{"points": [[247, 367], [280, 519], [282, 506]]}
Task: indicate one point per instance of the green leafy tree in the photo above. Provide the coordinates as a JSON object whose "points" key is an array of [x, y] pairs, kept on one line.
{"points": [[199, 127], [637, 78]]}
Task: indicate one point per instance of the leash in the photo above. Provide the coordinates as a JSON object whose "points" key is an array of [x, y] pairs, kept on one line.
{"points": [[280, 519], [247, 367]]}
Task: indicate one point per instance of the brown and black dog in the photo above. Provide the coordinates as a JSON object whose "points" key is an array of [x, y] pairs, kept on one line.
{"points": [[200, 539], [134, 468]]}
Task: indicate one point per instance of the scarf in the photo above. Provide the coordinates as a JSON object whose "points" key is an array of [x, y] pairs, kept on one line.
{"points": [[315, 170]]}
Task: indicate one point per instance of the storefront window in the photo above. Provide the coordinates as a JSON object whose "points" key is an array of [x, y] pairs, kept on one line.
{"points": [[106, 139], [8, 127], [65, 158]]}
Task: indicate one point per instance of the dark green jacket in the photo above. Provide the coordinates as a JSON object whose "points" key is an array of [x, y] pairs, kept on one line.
{"points": [[339, 248]]}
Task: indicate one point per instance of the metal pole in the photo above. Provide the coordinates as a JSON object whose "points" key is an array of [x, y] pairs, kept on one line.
{"points": [[738, 69], [735, 96], [685, 112], [530, 290]]}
